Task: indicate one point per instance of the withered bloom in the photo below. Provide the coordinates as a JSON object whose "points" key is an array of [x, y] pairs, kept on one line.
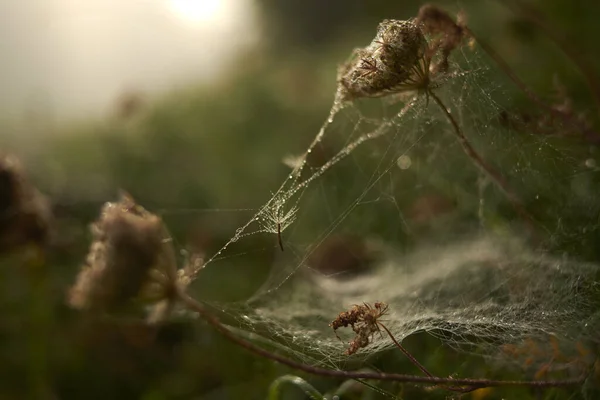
{"points": [[386, 64], [24, 212], [127, 244], [363, 319], [448, 35]]}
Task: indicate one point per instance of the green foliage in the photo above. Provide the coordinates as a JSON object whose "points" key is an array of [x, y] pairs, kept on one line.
{"points": [[276, 388]]}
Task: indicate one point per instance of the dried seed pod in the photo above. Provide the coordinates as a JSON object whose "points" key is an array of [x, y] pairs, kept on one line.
{"points": [[24, 212], [448, 35], [386, 64], [436, 21], [127, 245], [364, 321]]}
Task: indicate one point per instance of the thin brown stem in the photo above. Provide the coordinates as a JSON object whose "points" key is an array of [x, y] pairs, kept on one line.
{"points": [[194, 305], [494, 175], [567, 47], [420, 366], [526, 89], [406, 353]]}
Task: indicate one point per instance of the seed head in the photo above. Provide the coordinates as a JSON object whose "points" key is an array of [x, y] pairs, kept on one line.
{"points": [[383, 65], [436, 21], [364, 322], [127, 244], [24, 212], [446, 34]]}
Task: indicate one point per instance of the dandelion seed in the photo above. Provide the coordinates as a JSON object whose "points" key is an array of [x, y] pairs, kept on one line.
{"points": [[275, 221]]}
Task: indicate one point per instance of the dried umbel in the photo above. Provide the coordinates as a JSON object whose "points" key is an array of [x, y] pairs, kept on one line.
{"points": [[128, 242], [446, 34], [24, 212], [386, 64], [364, 322], [343, 256]]}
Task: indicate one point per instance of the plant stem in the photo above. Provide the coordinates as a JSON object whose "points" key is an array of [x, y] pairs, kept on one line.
{"points": [[420, 366], [406, 353], [586, 70], [526, 89], [494, 175], [194, 305]]}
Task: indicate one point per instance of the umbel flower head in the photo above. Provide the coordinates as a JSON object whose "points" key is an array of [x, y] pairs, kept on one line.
{"points": [[386, 64], [364, 321], [401, 58], [445, 34], [128, 243]]}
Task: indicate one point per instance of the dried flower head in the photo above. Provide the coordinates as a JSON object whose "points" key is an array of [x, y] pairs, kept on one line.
{"points": [[386, 64], [448, 34], [127, 244], [363, 319], [24, 212]]}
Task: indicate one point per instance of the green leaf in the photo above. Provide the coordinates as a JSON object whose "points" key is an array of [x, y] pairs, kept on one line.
{"points": [[307, 388]]}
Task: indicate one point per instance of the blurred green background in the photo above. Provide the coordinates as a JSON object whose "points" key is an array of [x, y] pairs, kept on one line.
{"points": [[195, 154]]}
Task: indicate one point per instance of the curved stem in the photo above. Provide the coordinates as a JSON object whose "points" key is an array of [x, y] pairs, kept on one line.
{"points": [[526, 89], [494, 175], [194, 305], [406, 353], [465, 389], [586, 70]]}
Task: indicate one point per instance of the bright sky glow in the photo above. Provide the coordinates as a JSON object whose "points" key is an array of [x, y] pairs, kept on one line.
{"points": [[76, 57], [199, 11]]}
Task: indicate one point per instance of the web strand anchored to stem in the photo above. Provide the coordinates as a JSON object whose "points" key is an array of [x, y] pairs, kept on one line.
{"points": [[471, 383], [465, 279]]}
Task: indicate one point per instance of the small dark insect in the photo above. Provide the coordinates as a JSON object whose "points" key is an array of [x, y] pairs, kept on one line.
{"points": [[279, 236], [364, 322]]}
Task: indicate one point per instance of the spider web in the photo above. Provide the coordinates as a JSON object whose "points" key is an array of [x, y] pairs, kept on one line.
{"points": [[384, 205]]}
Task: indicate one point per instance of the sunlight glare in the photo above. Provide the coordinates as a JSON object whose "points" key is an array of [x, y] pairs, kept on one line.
{"points": [[199, 11]]}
